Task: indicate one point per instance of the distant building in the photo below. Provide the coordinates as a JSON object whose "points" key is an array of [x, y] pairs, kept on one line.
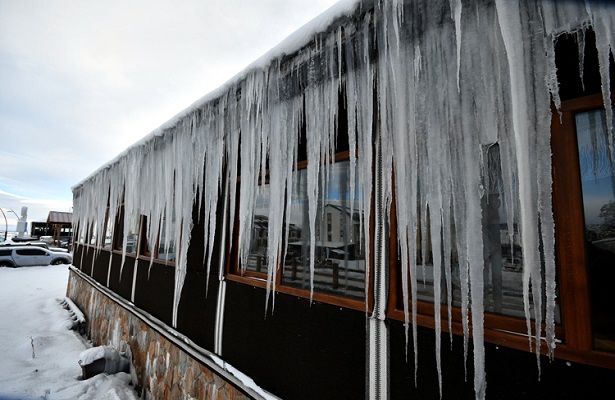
{"points": [[58, 226]]}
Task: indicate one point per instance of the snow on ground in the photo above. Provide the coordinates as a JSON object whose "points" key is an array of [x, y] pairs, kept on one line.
{"points": [[39, 354]]}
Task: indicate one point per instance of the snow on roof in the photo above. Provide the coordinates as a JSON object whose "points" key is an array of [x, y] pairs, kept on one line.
{"points": [[59, 217], [290, 45]]}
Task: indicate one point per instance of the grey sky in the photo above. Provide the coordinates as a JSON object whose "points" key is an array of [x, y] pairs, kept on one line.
{"points": [[80, 81]]}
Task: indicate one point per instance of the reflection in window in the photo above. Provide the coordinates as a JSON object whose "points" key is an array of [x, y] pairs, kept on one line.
{"points": [[502, 252], [93, 234], [166, 244], [81, 233], [132, 236], [108, 232], [339, 266], [598, 186], [257, 258]]}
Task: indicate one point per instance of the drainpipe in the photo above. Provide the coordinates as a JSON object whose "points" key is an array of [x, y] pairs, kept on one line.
{"points": [[219, 325], [377, 326]]}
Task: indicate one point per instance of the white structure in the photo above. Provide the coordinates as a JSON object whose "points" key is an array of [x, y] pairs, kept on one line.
{"points": [[22, 224]]}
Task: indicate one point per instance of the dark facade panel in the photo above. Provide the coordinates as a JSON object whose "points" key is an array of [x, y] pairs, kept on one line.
{"points": [[511, 374], [297, 351], [120, 278], [197, 308], [100, 265], [80, 254], [154, 290]]}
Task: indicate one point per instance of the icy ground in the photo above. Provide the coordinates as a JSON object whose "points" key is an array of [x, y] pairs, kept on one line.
{"points": [[39, 353]]}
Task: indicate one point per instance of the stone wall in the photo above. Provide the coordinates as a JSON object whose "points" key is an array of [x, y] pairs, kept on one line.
{"points": [[162, 370]]}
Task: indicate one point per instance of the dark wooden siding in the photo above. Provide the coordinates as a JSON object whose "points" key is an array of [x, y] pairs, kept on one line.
{"points": [[297, 351], [511, 374]]}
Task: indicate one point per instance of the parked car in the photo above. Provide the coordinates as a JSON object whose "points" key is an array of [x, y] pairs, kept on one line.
{"points": [[37, 244], [25, 256]]}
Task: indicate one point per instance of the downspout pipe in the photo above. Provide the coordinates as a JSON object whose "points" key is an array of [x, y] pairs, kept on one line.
{"points": [[377, 327]]}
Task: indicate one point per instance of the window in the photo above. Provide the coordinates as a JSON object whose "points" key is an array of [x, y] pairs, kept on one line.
{"points": [[108, 232], [31, 252], [257, 258], [585, 206], [584, 213], [93, 234], [598, 187], [502, 251], [165, 250], [339, 266], [80, 235], [339, 255], [132, 235]]}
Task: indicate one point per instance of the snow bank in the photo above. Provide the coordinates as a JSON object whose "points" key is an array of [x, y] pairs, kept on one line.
{"points": [[40, 353], [114, 362]]}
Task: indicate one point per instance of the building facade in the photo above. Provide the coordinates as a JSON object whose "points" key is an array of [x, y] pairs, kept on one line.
{"points": [[405, 198]]}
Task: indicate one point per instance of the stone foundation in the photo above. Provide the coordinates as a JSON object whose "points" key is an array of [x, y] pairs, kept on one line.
{"points": [[162, 370]]}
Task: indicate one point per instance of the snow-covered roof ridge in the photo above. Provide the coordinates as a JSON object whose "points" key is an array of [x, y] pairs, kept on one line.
{"points": [[292, 44]]}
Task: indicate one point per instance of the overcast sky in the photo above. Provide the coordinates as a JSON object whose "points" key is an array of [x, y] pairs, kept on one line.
{"points": [[80, 81]]}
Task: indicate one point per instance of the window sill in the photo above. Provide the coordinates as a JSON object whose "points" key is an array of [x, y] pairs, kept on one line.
{"points": [[305, 294], [509, 332]]}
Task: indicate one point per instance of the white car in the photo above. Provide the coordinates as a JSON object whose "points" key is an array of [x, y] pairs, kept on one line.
{"points": [[25, 256]]}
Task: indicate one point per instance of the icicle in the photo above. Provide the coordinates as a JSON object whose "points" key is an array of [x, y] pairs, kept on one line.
{"points": [[552, 82], [457, 17], [432, 129], [603, 24], [581, 47]]}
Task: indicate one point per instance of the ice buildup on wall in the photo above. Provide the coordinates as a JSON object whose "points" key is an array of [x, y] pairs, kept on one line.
{"points": [[448, 88]]}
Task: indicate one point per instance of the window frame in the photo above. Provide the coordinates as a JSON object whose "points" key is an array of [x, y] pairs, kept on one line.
{"points": [[144, 253], [259, 279], [118, 234], [570, 236], [574, 331]]}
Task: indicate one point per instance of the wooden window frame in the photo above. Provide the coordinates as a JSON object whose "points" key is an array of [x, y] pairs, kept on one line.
{"points": [[118, 234], [575, 329], [570, 237], [144, 253], [256, 279]]}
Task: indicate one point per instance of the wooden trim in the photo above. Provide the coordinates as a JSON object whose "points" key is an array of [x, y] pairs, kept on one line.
{"points": [[511, 332], [581, 104], [570, 238], [305, 294]]}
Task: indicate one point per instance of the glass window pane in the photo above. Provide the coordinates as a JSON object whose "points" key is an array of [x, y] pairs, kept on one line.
{"points": [[93, 234], [166, 245], [108, 233], [257, 259], [339, 266], [132, 238], [502, 252], [598, 186]]}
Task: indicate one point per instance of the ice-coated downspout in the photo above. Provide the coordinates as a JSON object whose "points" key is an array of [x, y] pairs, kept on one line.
{"points": [[222, 282], [377, 329]]}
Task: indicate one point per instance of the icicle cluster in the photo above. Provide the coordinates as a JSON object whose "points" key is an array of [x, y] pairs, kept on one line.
{"points": [[442, 85]]}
